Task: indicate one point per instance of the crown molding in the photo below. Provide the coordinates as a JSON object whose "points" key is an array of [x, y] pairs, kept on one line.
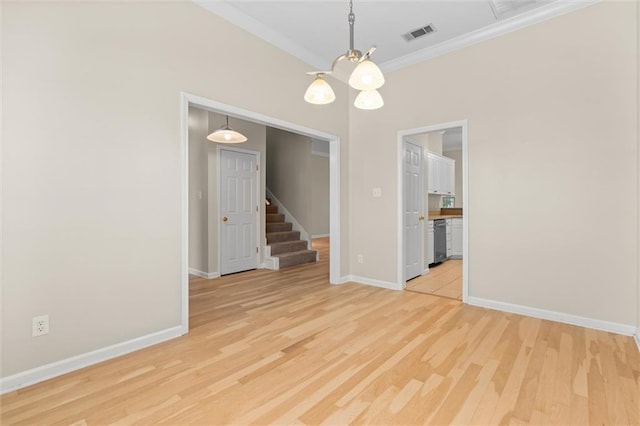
{"points": [[258, 29], [558, 7], [540, 14]]}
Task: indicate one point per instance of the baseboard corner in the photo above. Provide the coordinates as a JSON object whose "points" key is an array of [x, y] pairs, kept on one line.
{"points": [[544, 314], [58, 368], [375, 283], [636, 337], [205, 275]]}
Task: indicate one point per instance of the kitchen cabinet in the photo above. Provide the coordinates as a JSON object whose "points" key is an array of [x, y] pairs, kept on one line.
{"points": [[441, 174], [431, 253], [456, 237]]}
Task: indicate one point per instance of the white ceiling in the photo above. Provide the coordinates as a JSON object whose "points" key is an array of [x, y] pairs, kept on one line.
{"points": [[317, 31]]}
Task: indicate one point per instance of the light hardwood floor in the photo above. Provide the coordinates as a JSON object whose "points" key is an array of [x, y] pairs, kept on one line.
{"points": [[442, 280], [285, 347]]}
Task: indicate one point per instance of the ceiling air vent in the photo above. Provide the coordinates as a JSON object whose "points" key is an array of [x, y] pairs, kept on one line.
{"points": [[420, 32]]}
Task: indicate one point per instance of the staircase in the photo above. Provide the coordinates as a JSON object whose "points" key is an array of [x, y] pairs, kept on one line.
{"points": [[284, 243]]}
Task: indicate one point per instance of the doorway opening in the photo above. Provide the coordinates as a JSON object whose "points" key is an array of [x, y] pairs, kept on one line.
{"points": [[194, 101], [433, 214]]}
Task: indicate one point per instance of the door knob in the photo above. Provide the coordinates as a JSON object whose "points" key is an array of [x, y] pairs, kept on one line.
{"points": [[224, 218], [420, 217]]}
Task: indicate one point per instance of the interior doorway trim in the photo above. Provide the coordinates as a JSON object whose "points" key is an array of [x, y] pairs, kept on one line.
{"points": [[188, 99], [465, 200]]}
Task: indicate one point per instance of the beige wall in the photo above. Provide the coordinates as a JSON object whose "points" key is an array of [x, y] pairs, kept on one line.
{"points": [[552, 116], [289, 173], [91, 160], [198, 195], [457, 156], [319, 195]]}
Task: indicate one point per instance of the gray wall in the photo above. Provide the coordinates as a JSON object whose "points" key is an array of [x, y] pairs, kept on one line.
{"points": [[319, 195], [198, 190], [289, 173]]}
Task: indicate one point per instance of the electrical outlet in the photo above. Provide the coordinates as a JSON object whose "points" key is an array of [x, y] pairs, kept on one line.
{"points": [[39, 325], [360, 259]]}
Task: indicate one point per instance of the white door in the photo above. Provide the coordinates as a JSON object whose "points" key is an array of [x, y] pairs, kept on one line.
{"points": [[413, 210], [238, 212]]}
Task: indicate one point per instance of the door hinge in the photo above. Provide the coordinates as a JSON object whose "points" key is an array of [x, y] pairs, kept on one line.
{"points": [[257, 209], [257, 167], [257, 250]]}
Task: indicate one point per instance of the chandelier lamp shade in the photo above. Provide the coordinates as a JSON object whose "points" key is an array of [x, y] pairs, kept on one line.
{"points": [[366, 77], [319, 92], [227, 135]]}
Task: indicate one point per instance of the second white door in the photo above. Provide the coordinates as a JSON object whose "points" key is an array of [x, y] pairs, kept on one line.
{"points": [[413, 210], [238, 212]]}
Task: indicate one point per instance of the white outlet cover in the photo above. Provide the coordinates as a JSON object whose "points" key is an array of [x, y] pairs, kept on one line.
{"points": [[377, 192], [39, 325]]}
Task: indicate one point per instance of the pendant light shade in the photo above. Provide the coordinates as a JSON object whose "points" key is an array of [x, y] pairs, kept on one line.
{"points": [[319, 92], [369, 99], [226, 135], [366, 76]]}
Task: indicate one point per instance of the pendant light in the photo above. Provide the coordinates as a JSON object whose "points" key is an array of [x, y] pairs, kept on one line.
{"points": [[369, 99], [226, 135], [366, 77], [319, 92]]}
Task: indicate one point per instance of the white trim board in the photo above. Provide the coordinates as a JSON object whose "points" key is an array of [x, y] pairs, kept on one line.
{"points": [[201, 274], [58, 368], [370, 281], [613, 327], [636, 337], [320, 236]]}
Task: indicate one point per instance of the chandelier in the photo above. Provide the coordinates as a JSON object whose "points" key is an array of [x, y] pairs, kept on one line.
{"points": [[366, 77]]}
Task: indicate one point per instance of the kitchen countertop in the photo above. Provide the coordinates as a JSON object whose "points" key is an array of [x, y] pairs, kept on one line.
{"points": [[445, 216]]}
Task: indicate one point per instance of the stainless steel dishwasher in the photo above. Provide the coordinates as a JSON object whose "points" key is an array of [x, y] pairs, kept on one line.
{"points": [[440, 240]]}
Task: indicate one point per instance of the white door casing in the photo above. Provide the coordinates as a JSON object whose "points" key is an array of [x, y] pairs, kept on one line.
{"points": [[402, 135], [413, 210], [238, 211]]}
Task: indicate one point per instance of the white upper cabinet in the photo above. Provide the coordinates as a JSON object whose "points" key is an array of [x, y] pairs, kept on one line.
{"points": [[442, 174]]}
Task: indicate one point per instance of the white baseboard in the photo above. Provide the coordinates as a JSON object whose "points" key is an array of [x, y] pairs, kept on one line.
{"points": [[636, 337], [372, 282], [272, 263], [206, 275], [313, 237], [596, 324], [58, 368]]}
